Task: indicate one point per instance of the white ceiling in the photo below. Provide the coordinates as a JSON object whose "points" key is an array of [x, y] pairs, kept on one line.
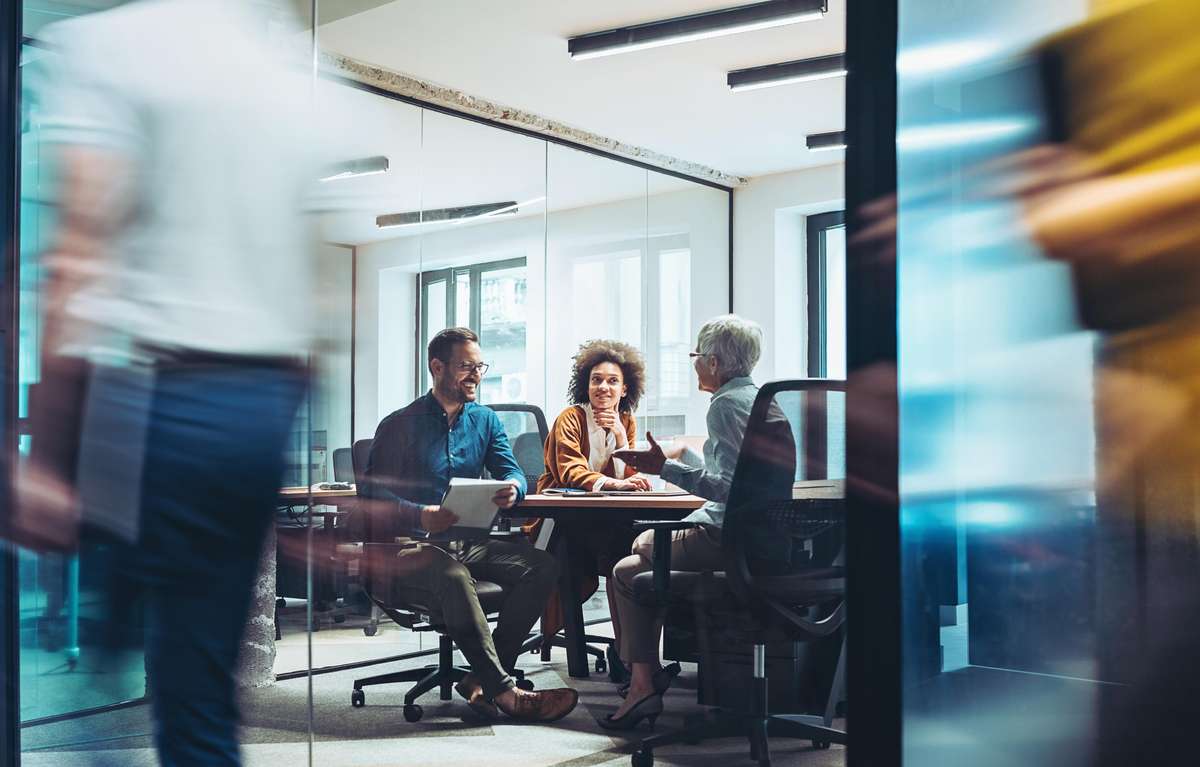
{"points": [[671, 99]]}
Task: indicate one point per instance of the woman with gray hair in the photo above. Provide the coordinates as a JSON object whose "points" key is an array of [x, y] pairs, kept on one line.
{"points": [[727, 349]]}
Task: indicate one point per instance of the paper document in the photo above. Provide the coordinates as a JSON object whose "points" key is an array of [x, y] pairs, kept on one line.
{"points": [[471, 500]]}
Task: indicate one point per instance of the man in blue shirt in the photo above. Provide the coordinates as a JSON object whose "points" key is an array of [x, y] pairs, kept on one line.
{"points": [[416, 451]]}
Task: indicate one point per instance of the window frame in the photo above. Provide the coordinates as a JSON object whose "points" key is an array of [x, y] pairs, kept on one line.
{"points": [[816, 227], [450, 275]]}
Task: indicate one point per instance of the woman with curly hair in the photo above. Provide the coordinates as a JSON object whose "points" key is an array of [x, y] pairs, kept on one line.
{"points": [[607, 382]]}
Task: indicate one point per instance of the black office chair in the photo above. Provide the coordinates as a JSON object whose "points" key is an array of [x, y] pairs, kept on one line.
{"points": [[527, 431], [783, 577], [377, 580], [343, 465]]}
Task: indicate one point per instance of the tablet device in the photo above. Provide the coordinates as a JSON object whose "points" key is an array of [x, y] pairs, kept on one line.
{"points": [[471, 500]]}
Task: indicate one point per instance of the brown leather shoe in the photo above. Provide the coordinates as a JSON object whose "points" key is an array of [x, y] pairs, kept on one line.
{"points": [[539, 706], [471, 690]]}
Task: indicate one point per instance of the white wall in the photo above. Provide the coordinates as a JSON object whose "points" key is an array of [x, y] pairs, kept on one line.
{"points": [[769, 259], [387, 274]]}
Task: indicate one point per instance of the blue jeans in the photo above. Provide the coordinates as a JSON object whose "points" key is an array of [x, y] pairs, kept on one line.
{"points": [[214, 459]]}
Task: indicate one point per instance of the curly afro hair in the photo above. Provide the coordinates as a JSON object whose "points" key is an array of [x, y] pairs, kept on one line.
{"points": [[628, 358]]}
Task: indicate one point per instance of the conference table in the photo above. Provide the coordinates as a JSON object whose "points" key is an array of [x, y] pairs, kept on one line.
{"points": [[611, 509]]}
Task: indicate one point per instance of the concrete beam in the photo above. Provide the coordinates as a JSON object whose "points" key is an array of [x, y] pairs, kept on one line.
{"points": [[422, 90]]}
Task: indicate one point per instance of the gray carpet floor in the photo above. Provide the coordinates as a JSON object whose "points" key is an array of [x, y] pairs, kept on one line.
{"points": [[275, 730]]}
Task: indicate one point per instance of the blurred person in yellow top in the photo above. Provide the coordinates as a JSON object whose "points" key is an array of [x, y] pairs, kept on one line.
{"points": [[178, 308], [1118, 200]]}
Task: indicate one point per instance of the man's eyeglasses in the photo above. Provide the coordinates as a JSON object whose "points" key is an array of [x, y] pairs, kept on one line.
{"points": [[478, 367]]}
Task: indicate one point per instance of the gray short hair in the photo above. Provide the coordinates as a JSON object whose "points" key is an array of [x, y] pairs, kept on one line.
{"points": [[736, 342]]}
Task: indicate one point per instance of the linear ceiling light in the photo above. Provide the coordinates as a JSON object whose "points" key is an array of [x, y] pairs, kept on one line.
{"points": [[699, 26], [819, 142], [788, 72], [457, 215], [368, 166]]}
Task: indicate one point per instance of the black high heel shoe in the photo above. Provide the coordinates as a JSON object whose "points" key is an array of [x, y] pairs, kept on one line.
{"points": [[648, 707], [662, 679]]}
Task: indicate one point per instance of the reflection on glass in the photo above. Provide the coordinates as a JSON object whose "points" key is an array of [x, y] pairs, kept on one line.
{"points": [[75, 653], [686, 272], [996, 449]]}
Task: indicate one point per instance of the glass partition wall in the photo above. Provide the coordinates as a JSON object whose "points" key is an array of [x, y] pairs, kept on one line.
{"points": [[536, 245]]}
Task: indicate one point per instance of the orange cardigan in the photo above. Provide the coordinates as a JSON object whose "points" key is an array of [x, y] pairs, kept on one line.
{"points": [[567, 448]]}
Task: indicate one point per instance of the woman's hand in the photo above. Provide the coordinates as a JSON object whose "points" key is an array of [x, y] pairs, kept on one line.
{"points": [[635, 483], [605, 419]]}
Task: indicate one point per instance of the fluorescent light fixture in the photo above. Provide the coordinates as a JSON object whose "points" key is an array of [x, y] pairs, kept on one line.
{"points": [[699, 26], [368, 166], [820, 142], [801, 71], [457, 215]]}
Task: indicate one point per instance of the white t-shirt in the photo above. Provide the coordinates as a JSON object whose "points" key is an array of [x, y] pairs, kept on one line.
{"points": [[212, 107]]}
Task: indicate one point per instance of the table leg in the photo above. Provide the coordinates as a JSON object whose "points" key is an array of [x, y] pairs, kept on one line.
{"points": [[572, 609]]}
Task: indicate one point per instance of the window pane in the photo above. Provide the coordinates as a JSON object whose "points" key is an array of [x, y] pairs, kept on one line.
{"points": [[674, 314], [435, 309], [502, 328], [462, 301], [835, 302]]}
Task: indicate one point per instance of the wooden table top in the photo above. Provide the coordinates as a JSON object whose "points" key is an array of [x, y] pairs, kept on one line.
{"points": [[685, 502], [300, 495]]}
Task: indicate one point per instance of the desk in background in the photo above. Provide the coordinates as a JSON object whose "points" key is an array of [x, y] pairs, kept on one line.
{"points": [[291, 565]]}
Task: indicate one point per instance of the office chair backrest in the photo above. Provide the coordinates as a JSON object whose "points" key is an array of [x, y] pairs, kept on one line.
{"points": [[527, 430], [343, 465], [358, 458], [794, 434]]}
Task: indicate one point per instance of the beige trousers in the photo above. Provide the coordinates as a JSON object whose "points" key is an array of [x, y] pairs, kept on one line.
{"points": [[638, 626]]}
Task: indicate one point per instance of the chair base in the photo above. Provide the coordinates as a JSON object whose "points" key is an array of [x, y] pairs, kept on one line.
{"points": [[538, 644], [441, 676], [755, 727]]}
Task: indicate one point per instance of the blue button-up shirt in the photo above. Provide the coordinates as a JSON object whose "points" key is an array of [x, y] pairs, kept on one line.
{"points": [[416, 451]]}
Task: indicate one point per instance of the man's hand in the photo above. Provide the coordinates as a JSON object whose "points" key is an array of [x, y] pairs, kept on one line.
{"points": [[435, 519], [506, 497], [649, 461]]}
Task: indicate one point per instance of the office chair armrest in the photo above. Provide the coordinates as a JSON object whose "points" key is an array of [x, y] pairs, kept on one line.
{"points": [[661, 558]]}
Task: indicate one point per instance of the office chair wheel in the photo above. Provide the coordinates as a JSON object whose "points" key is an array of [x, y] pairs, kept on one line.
{"points": [[821, 745], [413, 712], [358, 699], [601, 665], [339, 618], [642, 758], [371, 630], [525, 684]]}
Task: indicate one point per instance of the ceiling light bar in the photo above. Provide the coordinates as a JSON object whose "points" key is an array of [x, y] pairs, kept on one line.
{"points": [[368, 166], [699, 26], [820, 142], [458, 215], [801, 71]]}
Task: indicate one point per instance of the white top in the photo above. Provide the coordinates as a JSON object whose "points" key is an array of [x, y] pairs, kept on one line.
{"points": [[212, 111], [602, 443]]}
